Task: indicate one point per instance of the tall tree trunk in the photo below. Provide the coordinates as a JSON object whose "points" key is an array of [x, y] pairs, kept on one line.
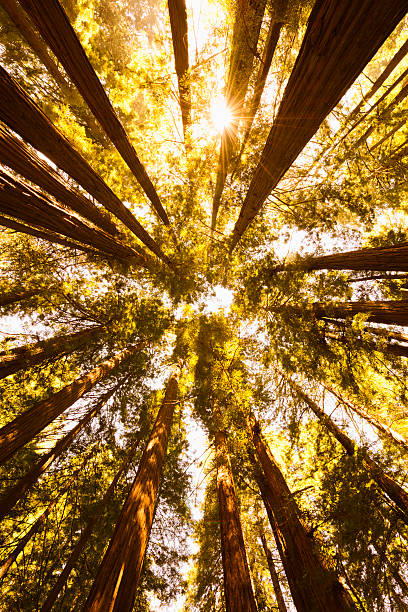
{"points": [[388, 135], [179, 33], [313, 584], [391, 488], [378, 277], [87, 532], [339, 41], [11, 497], [116, 582], [400, 350], [50, 17], [25, 427], [274, 576], [26, 356], [237, 580], [11, 297], [22, 115]]}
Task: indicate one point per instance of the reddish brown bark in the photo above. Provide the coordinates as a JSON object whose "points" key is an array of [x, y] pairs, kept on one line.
{"points": [[313, 584], [400, 350], [238, 591], [116, 582], [340, 39], [179, 33], [23, 116], [53, 24], [274, 576], [25, 427], [11, 297]]}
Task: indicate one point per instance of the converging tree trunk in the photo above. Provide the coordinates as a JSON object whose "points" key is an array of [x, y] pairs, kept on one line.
{"points": [[338, 43], [179, 33], [400, 350], [11, 297], [274, 576], [313, 584], [25, 427], [116, 582], [237, 580], [49, 17]]}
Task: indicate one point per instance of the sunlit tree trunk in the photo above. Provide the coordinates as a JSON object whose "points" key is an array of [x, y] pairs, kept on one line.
{"points": [[339, 41], [11, 297], [179, 33], [49, 17], [116, 582], [313, 584], [400, 350], [274, 576], [237, 580], [25, 427]]}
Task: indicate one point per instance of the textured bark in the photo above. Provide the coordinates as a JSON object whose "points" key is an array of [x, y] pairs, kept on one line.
{"points": [[116, 582], [391, 488], [9, 500], [274, 576], [179, 33], [340, 39], [22, 115], [53, 24], [313, 584], [11, 297], [87, 532], [26, 356], [238, 591], [25, 427], [247, 25]]}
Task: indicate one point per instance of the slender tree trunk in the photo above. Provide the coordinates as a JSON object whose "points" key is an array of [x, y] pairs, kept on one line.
{"points": [[26, 356], [388, 135], [377, 331], [80, 545], [23, 116], [399, 350], [338, 43], [314, 586], [11, 297], [391, 488], [274, 576], [50, 17], [179, 33], [25, 427], [237, 580], [378, 277], [116, 582], [9, 500]]}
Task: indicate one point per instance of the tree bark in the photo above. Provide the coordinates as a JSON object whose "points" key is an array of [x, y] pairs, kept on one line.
{"points": [[11, 297], [399, 350], [237, 580], [179, 33], [116, 582], [274, 576], [313, 585], [23, 116], [340, 39], [53, 24], [25, 427], [26, 356], [391, 488]]}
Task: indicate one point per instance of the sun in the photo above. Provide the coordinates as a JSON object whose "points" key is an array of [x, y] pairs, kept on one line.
{"points": [[221, 114]]}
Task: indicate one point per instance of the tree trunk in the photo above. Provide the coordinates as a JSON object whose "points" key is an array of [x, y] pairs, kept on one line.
{"points": [[9, 500], [11, 297], [388, 277], [237, 580], [116, 582], [314, 586], [274, 576], [179, 33], [26, 356], [25, 427], [339, 41], [388, 135], [80, 545], [392, 489], [50, 17], [23, 116], [400, 350]]}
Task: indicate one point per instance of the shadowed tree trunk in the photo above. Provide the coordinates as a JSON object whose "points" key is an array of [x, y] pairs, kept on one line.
{"points": [[339, 41], [179, 33], [25, 427], [12, 496], [23, 116], [400, 350], [11, 297], [388, 135], [274, 576], [237, 580], [26, 356], [50, 17], [313, 584], [87, 532], [391, 488], [378, 277], [116, 582]]}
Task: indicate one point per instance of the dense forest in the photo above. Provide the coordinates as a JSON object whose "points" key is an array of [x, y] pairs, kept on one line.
{"points": [[203, 305]]}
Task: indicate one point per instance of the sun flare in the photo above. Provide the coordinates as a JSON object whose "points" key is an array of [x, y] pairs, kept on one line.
{"points": [[221, 114]]}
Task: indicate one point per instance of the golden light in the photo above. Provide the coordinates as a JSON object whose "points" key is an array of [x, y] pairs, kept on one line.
{"points": [[221, 115]]}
